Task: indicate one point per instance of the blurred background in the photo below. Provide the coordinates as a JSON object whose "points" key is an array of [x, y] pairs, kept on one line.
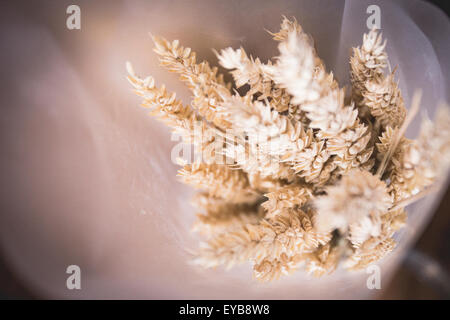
{"points": [[86, 178]]}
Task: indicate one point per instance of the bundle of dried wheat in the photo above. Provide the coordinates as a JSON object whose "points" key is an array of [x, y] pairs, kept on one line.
{"points": [[294, 172]]}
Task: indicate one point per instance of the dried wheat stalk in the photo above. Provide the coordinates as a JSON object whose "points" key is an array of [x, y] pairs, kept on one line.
{"points": [[312, 177]]}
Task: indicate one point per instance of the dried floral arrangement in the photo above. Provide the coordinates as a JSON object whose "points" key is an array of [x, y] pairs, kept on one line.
{"points": [[294, 170]]}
